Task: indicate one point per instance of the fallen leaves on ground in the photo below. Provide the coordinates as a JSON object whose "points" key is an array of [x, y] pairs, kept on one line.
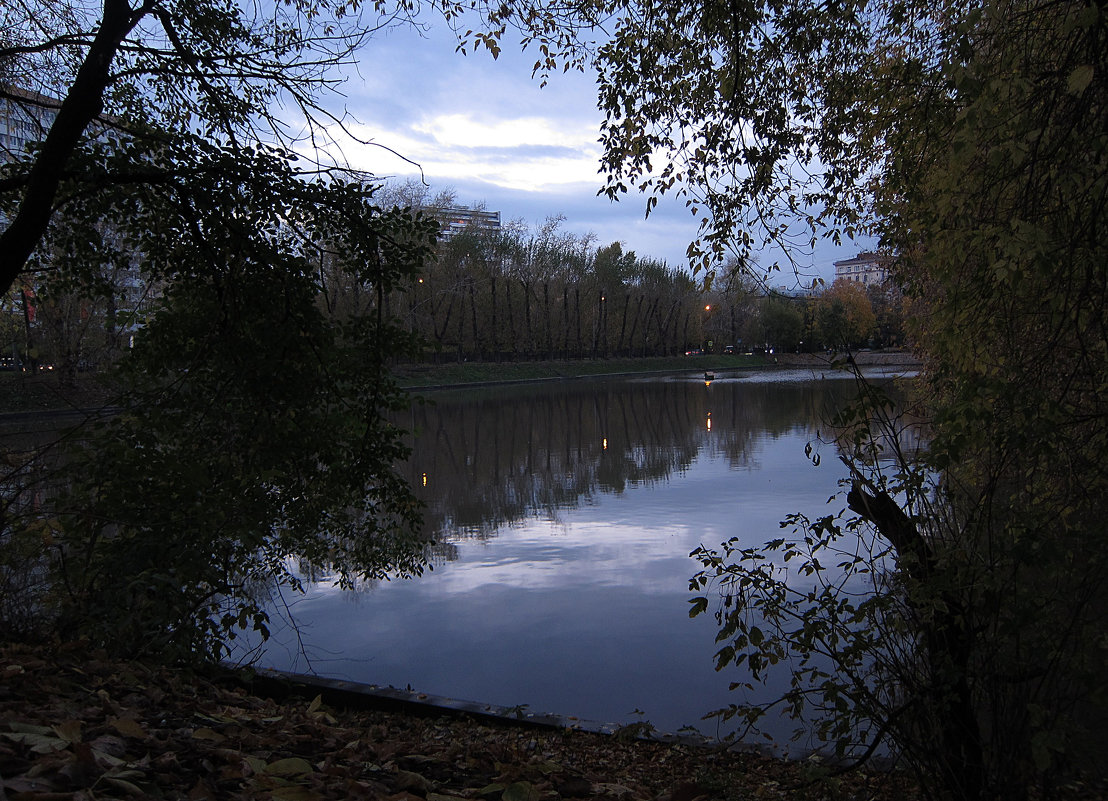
{"points": [[76, 725]]}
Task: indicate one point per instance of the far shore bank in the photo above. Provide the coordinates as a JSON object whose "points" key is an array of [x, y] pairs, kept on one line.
{"points": [[422, 377], [23, 395]]}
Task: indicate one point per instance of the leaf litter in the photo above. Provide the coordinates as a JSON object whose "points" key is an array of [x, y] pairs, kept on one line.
{"points": [[77, 725]]}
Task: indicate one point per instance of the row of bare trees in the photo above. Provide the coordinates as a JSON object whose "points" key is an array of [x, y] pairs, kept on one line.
{"points": [[549, 294], [513, 293], [546, 293], [517, 293]]}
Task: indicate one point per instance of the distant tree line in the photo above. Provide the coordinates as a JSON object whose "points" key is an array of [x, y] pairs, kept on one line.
{"points": [[521, 293], [507, 295]]}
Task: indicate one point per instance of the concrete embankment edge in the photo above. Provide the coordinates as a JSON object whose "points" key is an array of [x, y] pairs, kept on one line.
{"points": [[348, 694]]}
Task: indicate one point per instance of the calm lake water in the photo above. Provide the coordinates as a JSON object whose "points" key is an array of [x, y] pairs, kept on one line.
{"points": [[565, 515]]}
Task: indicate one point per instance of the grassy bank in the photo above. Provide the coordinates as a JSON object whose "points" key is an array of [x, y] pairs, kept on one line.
{"points": [[23, 392], [458, 373], [455, 373]]}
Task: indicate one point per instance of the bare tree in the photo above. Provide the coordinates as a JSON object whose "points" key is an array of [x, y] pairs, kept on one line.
{"points": [[142, 71]]}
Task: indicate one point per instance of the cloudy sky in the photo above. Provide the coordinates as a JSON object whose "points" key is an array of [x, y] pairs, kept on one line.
{"points": [[488, 131]]}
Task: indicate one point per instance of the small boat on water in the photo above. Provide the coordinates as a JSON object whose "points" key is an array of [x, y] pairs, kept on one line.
{"points": [[709, 375]]}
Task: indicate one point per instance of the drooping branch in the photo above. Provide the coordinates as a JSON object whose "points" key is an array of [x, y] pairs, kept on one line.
{"points": [[943, 632], [885, 514]]}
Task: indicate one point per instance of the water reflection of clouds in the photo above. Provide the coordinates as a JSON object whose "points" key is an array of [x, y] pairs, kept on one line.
{"points": [[641, 537], [595, 553], [588, 500]]}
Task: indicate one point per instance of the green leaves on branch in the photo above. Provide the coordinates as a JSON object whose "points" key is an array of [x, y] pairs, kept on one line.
{"points": [[255, 447], [973, 141]]}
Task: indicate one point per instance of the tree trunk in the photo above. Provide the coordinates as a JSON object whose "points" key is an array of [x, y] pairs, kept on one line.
{"points": [[527, 319], [944, 635], [577, 317], [494, 343], [546, 314], [81, 107], [565, 321], [623, 323], [511, 318], [477, 349], [651, 313], [597, 325], [663, 328], [440, 333], [634, 325], [461, 327]]}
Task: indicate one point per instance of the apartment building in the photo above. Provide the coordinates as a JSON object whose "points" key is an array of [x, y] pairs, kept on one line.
{"points": [[456, 219], [25, 118], [866, 268]]}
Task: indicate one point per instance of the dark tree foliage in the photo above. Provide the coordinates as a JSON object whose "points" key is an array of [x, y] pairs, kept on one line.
{"points": [[953, 611], [144, 70], [253, 444]]}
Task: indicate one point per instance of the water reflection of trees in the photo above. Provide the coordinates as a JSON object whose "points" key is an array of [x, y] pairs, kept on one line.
{"points": [[486, 458]]}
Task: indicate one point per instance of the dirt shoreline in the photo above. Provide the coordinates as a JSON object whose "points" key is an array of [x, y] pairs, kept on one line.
{"points": [[75, 724]]}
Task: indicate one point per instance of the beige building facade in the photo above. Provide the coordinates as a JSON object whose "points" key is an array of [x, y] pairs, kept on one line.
{"points": [[867, 268]]}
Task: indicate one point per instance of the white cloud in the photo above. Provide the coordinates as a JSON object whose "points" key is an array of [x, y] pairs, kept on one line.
{"points": [[486, 129], [526, 151], [525, 154], [466, 130]]}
